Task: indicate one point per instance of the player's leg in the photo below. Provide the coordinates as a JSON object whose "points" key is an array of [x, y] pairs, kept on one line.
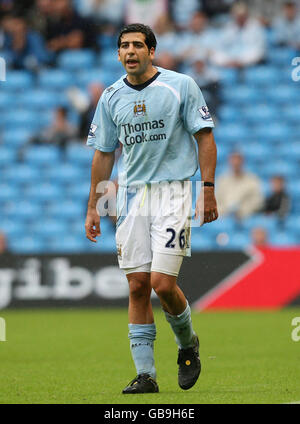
{"points": [[134, 256], [142, 332], [164, 271]]}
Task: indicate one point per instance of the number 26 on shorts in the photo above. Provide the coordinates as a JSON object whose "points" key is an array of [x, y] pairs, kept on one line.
{"points": [[181, 238]]}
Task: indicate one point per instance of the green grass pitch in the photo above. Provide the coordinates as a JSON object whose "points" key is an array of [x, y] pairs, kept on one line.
{"points": [[83, 356]]}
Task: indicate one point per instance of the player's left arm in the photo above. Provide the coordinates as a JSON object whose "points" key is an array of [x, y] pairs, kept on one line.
{"points": [[207, 154]]}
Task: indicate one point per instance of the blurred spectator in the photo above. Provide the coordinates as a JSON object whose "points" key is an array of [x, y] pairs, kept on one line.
{"points": [[3, 243], [242, 40], [66, 29], [182, 11], [259, 237], [105, 11], [278, 202], [6, 6], [286, 28], [238, 192], [59, 133], [207, 78], [86, 105], [146, 11], [213, 8], [167, 61], [167, 39], [37, 16], [23, 48], [200, 37]]}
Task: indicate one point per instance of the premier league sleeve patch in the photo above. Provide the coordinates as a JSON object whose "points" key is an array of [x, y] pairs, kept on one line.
{"points": [[205, 114], [92, 130]]}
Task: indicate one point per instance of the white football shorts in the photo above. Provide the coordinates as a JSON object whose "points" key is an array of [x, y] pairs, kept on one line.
{"points": [[152, 218]]}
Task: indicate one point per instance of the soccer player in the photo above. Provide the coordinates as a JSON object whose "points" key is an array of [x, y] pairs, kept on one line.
{"points": [[155, 113]]}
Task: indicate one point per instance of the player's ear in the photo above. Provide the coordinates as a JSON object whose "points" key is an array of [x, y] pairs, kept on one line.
{"points": [[152, 53], [119, 59]]}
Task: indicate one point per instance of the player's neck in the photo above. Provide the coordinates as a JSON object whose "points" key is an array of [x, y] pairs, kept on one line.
{"points": [[141, 79]]}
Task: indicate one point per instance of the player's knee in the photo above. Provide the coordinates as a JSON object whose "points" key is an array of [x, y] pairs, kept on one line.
{"points": [[163, 287], [139, 288]]}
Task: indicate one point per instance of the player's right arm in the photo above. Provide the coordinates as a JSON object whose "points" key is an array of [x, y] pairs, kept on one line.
{"points": [[103, 137], [102, 165]]}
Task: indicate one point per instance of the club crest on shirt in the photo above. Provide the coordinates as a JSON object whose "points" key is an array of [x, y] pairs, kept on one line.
{"points": [[92, 130], [205, 113], [139, 108]]}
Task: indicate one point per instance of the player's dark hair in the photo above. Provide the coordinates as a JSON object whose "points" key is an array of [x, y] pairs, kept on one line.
{"points": [[150, 39]]}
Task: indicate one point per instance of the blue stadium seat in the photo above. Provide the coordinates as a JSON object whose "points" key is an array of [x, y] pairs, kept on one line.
{"points": [[55, 79], [66, 209], [7, 156], [228, 76], [255, 151], [79, 191], [65, 173], [7, 100], [49, 228], [109, 60], [104, 245], [100, 75], [292, 113], [290, 151], [27, 244], [22, 210], [42, 155], [66, 244], [285, 94], [270, 223], [18, 81], [272, 132], [77, 59], [21, 173], [241, 95], [232, 133], [259, 112], [292, 224], [281, 56], [201, 241], [40, 99], [283, 239], [44, 192], [280, 167], [12, 227], [223, 225], [262, 75], [237, 241], [79, 153], [8, 192], [229, 113], [15, 138], [24, 119]]}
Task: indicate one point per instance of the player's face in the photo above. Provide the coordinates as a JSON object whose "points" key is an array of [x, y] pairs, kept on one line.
{"points": [[134, 53]]}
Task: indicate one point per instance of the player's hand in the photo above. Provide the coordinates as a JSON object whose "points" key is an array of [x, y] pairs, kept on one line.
{"points": [[209, 211], [92, 225]]}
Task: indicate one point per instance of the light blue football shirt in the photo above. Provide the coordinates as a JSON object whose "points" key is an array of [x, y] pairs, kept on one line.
{"points": [[155, 123]]}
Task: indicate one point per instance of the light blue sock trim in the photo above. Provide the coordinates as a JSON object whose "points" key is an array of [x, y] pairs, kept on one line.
{"points": [[182, 327], [142, 338]]}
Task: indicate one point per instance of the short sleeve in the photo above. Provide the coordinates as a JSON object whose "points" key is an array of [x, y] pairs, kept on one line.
{"points": [[195, 112], [103, 131]]}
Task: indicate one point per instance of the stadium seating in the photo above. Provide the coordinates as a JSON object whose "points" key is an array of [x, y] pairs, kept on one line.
{"points": [[259, 115]]}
